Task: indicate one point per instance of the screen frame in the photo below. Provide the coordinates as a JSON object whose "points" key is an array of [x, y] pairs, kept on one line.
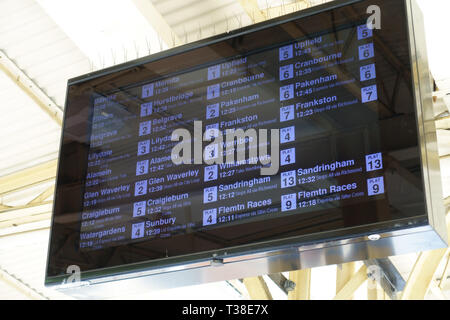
{"points": [[407, 235]]}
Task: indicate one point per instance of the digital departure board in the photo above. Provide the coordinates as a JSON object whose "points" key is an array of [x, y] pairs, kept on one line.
{"points": [[297, 131]]}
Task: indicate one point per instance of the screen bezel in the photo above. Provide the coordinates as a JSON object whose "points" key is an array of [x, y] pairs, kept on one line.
{"points": [[329, 236]]}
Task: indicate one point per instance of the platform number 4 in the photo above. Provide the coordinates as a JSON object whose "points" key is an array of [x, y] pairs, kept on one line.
{"points": [[137, 230], [287, 134], [209, 217], [287, 156]]}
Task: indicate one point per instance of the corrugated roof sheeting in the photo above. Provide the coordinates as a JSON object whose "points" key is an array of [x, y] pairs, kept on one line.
{"points": [[28, 135], [24, 257], [192, 20], [39, 47]]}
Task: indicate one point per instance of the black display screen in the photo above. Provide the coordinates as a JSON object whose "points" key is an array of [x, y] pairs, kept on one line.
{"points": [[325, 105]]}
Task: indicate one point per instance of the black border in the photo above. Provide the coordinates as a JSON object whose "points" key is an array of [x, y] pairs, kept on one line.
{"points": [[317, 238]]}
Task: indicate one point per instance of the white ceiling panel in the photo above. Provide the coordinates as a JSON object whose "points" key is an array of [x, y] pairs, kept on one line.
{"points": [[38, 45], [25, 256], [196, 19], [120, 30], [28, 134]]}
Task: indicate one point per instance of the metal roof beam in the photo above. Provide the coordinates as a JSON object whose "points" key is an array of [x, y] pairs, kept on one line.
{"points": [[302, 280], [421, 276], [30, 88], [347, 290], [445, 273], [44, 195], [257, 288], [20, 286], [25, 228], [239, 287], [277, 11], [29, 213], [253, 11], [157, 21], [12, 212], [258, 15], [26, 220], [344, 272], [282, 282], [27, 177]]}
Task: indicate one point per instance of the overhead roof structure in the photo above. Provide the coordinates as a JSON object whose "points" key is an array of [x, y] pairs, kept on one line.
{"points": [[43, 43]]}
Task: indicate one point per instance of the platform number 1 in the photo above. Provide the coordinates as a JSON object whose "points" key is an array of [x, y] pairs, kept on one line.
{"points": [[213, 91], [147, 91], [146, 109], [214, 72]]}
